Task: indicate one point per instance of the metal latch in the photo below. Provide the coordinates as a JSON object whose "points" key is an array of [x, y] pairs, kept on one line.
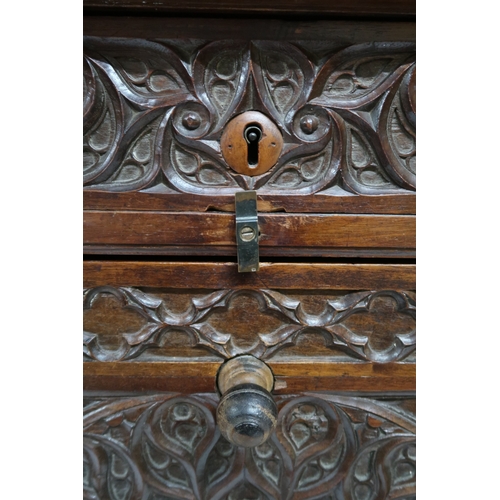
{"points": [[247, 231]]}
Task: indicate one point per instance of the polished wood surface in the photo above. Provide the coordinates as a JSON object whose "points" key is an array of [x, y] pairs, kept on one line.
{"points": [[302, 234], [286, 276], [402, 204], [199, 376]]}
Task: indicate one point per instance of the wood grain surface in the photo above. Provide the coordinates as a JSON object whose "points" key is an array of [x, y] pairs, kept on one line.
{"points": [[192, 377], [349, 234], [287, 276], [249, 28], [403, 204]]}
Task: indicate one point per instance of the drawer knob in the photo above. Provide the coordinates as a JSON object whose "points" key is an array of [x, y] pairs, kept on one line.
{"points": [[247, 413]]}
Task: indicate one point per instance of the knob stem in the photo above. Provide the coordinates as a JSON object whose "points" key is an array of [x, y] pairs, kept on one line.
{"points": [[244, 370], [247, 413]]}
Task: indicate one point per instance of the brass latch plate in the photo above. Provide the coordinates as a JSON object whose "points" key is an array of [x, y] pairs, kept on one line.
{"points": [[247, 231]]}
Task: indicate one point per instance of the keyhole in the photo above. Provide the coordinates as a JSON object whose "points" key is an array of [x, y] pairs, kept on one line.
{"points": [[252, 134]]}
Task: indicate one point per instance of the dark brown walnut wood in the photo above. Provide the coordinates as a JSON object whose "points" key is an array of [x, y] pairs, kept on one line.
{"points": [[159, 91], [353, 8], [155, 113], [131, 323], [325, 446], [247, 28], [280, 276], [404, 204], [199, 376], [207, 231]]}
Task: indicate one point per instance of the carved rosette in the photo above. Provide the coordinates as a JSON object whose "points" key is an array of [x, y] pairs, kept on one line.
{"points": [[377, 326], [154, 115], [326, 446]]}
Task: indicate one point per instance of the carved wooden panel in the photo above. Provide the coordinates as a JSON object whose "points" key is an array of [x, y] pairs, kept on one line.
{"points": [[326, 447], [154, 113], [122, 323]]}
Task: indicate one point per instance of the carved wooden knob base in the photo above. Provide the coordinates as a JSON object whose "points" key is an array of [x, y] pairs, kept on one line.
{"points": [[247, 413]]}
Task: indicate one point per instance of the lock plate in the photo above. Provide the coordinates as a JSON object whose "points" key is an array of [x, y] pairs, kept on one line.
{"points": [[247, 231], [251, 154]]}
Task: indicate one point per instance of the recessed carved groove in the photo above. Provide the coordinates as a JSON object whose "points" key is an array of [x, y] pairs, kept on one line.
{"points": [[154, 117], [325, 446], [376, 326]]}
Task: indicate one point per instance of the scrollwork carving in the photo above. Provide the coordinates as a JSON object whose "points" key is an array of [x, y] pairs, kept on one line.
{"points": [[348, 120], [374, 326], [326, 446]]}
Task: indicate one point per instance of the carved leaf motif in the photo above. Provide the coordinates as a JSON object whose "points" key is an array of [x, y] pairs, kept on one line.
{"points": [[307, 425], [319, 440], [370, 474], [175, 451], [363, 172], [196, 169], [121, 479], [220, 73], [283, 75], [397, 132], [153, 76], [308, 173], [367, 91], [103, 126], [219, 461], [268, 462], [141, 161], [360, 74], [170, 440]]}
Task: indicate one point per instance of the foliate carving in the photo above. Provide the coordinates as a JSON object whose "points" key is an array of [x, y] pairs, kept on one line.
{"points": [[325, 446], [375, 326], [155, 112]]}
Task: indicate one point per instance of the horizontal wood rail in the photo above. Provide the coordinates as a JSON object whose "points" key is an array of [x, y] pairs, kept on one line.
{"points": [[192, 377], [185, 275], [354, 8], [403, 204], [308, 235], [248, 28]]}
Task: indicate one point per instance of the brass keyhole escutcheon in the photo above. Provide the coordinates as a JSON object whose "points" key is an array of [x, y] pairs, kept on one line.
{"points": [[251, 143]]}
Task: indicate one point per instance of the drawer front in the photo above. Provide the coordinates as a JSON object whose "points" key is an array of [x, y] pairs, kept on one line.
{"points": [[155, 113], [156, 173], [326, 446], [159, 326]]}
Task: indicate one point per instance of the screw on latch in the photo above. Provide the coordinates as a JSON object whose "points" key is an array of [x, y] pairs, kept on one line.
{"points": [[252, 134], [247, 233]]}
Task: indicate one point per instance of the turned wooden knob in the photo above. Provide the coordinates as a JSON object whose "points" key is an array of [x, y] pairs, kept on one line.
{"points": [[247, 413]]}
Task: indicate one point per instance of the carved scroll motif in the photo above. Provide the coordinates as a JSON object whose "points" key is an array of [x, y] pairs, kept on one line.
{"points": [[376, 326], [154, 115], [325, 446]]}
